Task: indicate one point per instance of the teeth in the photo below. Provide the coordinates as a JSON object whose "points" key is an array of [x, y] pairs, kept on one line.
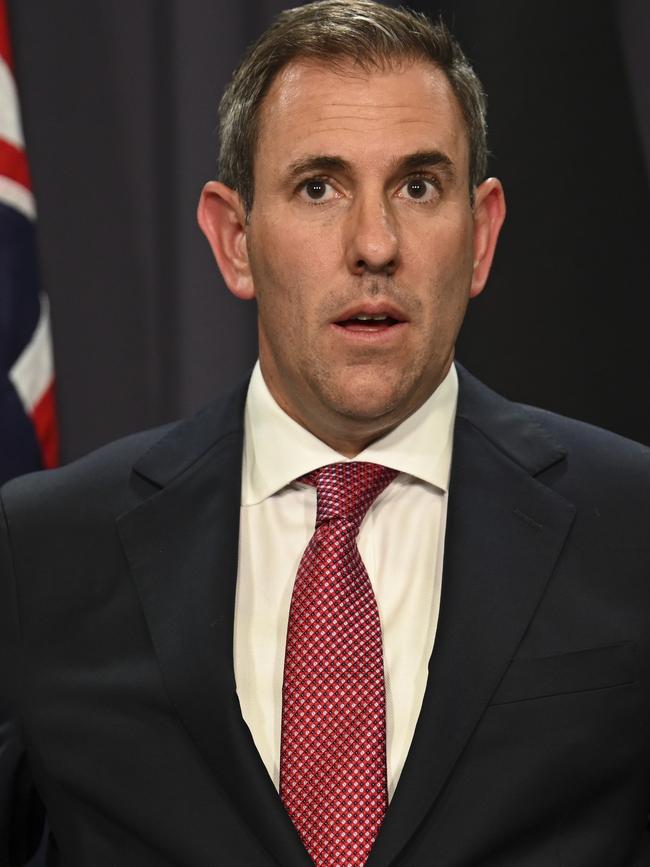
{"points": [[363, 317]]}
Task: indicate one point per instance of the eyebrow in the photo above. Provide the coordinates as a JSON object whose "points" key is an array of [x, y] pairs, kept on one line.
{"points": [[426, 160], [412, 162], [324, 163]]}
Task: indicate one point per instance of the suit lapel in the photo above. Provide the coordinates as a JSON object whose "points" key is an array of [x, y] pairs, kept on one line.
{"points": [[181, 545], [505, 531]]}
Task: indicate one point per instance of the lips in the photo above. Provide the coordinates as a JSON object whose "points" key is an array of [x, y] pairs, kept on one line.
{"points": [[370, 317], [370, 323], [367, 323]]}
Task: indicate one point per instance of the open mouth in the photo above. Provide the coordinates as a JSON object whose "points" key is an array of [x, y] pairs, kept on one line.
{"points": [[368, 322]]}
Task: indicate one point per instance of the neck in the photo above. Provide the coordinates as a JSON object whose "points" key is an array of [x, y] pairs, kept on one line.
{"points": [[340, 424], [344, 434]]}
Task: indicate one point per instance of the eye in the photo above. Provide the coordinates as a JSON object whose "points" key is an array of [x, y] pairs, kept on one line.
{"points": [[419, 189], [317, 190]]}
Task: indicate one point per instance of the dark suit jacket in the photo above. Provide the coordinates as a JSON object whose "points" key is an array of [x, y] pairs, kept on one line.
{"points": [[118, 698]]}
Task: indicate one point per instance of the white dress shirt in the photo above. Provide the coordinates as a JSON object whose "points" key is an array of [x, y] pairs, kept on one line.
{"points": [[401, 542]]}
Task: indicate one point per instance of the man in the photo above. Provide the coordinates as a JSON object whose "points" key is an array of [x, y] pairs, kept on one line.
{"points": [[200, 665]]}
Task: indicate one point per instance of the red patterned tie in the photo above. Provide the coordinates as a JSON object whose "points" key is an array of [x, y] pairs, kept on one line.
{"points": [[333, 757]]}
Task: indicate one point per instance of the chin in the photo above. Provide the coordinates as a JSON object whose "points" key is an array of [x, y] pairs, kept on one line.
{"points": [[367, 403], [386, 396], [375, 397]]}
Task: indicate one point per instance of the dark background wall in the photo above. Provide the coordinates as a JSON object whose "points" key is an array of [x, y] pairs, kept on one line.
{"points": [[119, 104]]}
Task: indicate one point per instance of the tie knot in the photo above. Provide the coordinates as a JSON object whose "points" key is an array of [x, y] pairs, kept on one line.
{"points": [[347, 490]]}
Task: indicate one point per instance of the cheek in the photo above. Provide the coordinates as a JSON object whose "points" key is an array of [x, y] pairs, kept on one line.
{"points": [[453, 263], [280, 300], [442, 268], [292, 276], [278, 254]]}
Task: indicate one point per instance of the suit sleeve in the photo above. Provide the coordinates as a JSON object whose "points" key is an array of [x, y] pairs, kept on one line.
{"points": [[21, 812]]}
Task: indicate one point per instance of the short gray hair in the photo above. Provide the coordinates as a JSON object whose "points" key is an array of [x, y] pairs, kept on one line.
{"points": [[335, 31]]}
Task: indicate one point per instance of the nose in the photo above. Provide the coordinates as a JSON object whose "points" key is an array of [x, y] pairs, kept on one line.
{"points": [[372, 242]]}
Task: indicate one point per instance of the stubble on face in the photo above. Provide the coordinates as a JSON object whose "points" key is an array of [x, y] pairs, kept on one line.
{"points": [[366, 385], [371, 392]]}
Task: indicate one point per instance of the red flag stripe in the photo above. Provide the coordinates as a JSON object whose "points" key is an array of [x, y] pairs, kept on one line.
{"points": [[5, 44], [13, 164], [47, 433]]}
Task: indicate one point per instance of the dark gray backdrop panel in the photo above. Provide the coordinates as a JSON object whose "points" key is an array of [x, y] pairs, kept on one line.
{"points": [[563, 322], [120, 106], [634, 18], [88, 81]]}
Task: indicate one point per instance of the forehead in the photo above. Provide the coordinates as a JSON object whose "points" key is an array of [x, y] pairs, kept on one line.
{"points": [[313, 108]]}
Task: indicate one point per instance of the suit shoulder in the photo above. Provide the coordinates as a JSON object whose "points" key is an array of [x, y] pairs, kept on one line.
{"points": [[602, 471], [541, 441], [100, 477], [118, 476], [587, 442]]}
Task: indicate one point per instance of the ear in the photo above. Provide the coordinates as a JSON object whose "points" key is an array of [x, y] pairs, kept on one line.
{"points": [[222, 218], [489, 214]]}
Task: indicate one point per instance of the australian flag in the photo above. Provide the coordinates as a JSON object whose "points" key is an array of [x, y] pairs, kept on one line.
{"points": [[28, 429]]}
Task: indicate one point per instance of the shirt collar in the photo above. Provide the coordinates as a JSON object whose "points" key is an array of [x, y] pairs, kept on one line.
{"points": [[277, 450]]}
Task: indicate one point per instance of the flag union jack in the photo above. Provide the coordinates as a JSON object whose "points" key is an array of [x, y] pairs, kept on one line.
{"points": [[28, 429]]}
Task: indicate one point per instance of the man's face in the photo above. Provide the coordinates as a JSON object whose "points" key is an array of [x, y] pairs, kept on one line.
{"points": [[361, 244]]}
